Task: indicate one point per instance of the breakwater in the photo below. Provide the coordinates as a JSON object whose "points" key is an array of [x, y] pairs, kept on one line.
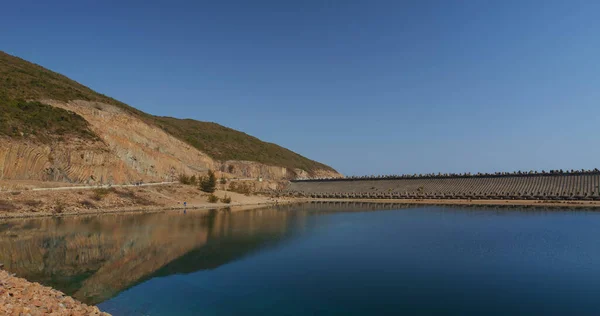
{"points": [[583, 185]]}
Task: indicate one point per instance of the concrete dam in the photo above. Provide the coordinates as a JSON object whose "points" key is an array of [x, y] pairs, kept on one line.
{"points": [[574, 185]]}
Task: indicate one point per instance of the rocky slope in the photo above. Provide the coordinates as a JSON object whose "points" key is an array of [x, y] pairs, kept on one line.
{"points": [[120, 144], [21, 297]]}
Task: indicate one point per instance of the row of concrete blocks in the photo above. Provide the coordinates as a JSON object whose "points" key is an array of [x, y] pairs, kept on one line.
{"points": [[464, 196]]}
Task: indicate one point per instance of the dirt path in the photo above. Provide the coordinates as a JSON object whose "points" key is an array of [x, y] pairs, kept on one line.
{"points": [[92, 187]]}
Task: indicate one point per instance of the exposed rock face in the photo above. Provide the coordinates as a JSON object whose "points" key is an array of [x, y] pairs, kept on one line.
{"points": [[130, 150], [75, 161], [251, 169], [147, 150]]}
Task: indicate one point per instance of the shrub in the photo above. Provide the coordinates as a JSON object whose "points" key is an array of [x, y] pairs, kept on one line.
{"points": [[241, 188], [184, 179], [133, 198], [100, 193], [142, 201], [226, 199], [59, 207], [126, 194], [40, 121], [208, 184], [33, 203], [6, 206], [213, 198], [87, 204]]}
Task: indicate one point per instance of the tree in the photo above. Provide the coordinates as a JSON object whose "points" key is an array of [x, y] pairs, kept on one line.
{"points": [[208, 184]]}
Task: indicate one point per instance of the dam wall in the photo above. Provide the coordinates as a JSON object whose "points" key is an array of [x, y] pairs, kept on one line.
{"points": [[572, 186]]}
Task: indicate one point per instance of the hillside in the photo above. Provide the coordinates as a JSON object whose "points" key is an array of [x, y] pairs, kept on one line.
{"points": [[223, 143], [37, 122]]}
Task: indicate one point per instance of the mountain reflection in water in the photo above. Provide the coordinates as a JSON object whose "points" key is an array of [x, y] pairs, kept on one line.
{"points": [[317, 259], [93, 258]]}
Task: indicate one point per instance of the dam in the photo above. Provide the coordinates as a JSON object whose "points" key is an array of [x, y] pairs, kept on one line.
{"points": [[553, 185]]}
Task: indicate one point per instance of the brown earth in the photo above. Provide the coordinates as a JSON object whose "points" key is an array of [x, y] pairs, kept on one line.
{"points": [[21, 297], [27, 203]]}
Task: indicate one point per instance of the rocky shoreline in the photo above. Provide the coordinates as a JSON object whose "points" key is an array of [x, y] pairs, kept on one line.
{"points": [[21, 297]]}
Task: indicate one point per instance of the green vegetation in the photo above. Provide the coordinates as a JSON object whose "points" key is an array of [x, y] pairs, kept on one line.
{"points": [[22, 80], [6, 206], [132, 197], [100, 193], [87, 204], [40, 121], [33, 203], [242, 188], [226, 199], [223, 143], [185, 179], [209, 183], [213, 198], [59, 207]]}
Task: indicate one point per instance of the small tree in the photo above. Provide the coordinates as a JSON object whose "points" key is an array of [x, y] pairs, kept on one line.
{"points": [[212, 198], [226, 199], [208, 184], [184, 179]]}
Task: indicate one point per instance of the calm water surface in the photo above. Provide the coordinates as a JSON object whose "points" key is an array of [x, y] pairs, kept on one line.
{"points": [[317, 259]]}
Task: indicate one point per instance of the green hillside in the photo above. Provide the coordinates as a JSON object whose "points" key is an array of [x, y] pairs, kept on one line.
{"points": [[21, 80], [223, 143], [41, 122]]}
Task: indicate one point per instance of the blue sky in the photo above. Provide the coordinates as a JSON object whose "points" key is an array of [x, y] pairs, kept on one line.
{"points": [[368, 87]]}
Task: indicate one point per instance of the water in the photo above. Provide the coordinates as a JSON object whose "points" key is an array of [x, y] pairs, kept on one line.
{"points": [[317, 259]]}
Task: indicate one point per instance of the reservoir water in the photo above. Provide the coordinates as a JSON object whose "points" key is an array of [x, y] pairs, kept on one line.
{"points": [[317, 259]]}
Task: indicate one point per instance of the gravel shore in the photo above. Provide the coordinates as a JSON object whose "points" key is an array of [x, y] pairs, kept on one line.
{"points": [[21, 297]]}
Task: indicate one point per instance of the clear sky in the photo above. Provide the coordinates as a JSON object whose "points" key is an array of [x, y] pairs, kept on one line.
{"points": [[368, 87]]}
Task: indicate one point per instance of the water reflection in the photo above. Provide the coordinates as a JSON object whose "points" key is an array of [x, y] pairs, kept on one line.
{"points": [[93, 258]]}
